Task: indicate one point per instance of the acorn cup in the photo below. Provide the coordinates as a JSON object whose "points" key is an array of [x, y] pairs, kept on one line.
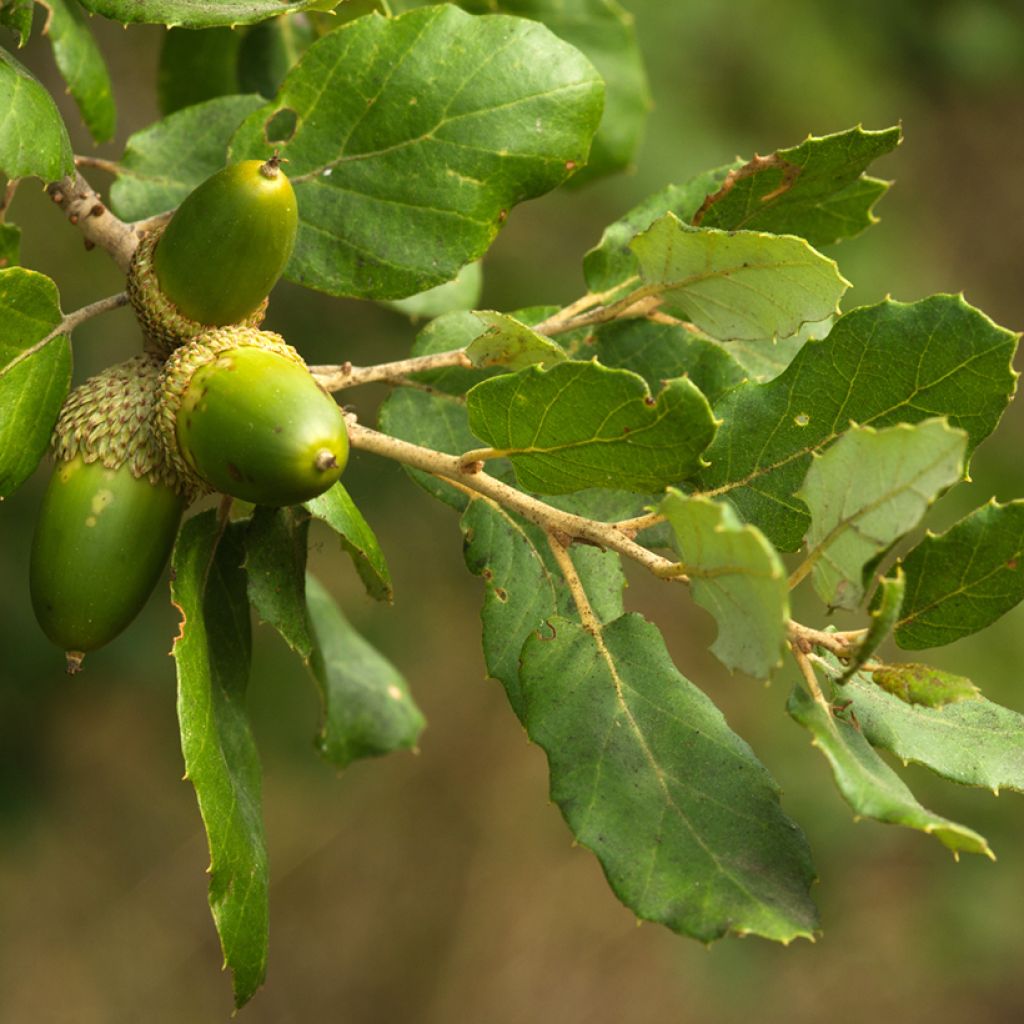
{"points": [[110, 513], [217, 259], [241, 414]]}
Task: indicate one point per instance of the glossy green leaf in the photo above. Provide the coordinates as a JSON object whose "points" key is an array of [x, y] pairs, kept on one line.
{"points": [[817, 190], [737, 576], [582, 425], [868, 490], [275, 567], [884, 613], [923, 684], [741, 285], [33, 139], [504, 341], [462, 292], [974, 742], [368, 710], [879, 365], [337, 509], [82, 66], [196, 13], [212, 653], [868, 784], [197, 65], [685, 820], [765, 358], [410, 139], [659, 352], [34, 377], [10, 245], [16, 15], [964, 579], [163, 163], [604, 31]]}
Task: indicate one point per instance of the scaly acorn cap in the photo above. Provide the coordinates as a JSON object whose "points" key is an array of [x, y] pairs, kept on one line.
{"points": [[112, 419], [176, 376], [164, 326]]}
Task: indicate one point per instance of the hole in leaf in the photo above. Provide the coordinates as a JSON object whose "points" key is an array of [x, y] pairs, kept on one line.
{"points": [[281, 126]]}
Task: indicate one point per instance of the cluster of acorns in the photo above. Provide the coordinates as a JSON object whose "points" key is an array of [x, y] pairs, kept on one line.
{"points": [[214, 404]]}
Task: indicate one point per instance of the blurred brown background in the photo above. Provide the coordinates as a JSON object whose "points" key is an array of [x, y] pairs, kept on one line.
{"points": [[443, 887]]}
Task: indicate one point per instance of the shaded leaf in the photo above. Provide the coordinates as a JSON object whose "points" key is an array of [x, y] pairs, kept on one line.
{"points": [[582, 425], [883, 364], [275, 567], [658, 352], [82, 66], [868, 784], [964, 579], [337, 509], [33, 381], [737, 285], [197, 65], [519, 593], [817, 190], [684, 819], [272, 48], [16, 15], [368, 710], [868, 490], [212, 653], [611, 262], [828, 198], [33, 139], [765, 358], [737, 576], [462, 292], [412, 137], [163, 163], [10, 245], [974, 742], [196, 13], [434, 421]]}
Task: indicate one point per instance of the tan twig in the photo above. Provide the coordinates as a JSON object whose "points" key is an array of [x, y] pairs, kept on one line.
{"points": [[84, 208], [552, 520], [631, 527], [109, 166], [642, 301], [807, 671], [337, 378], [843, 645], [591, 623]]}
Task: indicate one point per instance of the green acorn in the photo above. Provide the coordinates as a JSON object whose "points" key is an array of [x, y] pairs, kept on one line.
{"points": [[241, 414], [110, 513], [217, 259]]}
